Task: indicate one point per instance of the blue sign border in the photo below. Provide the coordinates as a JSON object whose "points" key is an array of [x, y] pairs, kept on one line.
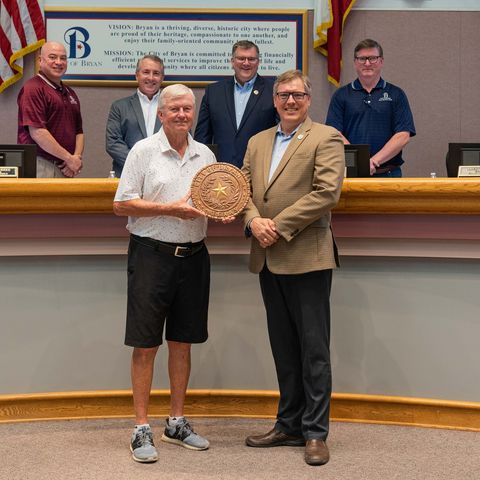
{"points": [[299, 17]]}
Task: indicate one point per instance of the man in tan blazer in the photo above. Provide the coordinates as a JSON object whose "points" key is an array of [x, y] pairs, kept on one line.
{"points": [[295, 171]]}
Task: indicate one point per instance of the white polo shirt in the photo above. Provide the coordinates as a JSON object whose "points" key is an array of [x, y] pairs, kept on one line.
{"points": [[155, 172]]}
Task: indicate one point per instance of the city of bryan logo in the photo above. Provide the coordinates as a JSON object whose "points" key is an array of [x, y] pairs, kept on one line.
{"points": [[76, 39], [385, 98]]}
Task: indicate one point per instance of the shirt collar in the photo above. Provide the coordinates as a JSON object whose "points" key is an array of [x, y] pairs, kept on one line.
{"points": [[145, 98], [246, 85], [166, 147], [50, 83], [356, 85], [282, 134]]}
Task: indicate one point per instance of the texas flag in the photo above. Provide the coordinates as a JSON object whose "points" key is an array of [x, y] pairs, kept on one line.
{"points": [[330, 16]]}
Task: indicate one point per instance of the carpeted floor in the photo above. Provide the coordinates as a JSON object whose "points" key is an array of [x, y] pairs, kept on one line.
{"points": [[98, 449]]}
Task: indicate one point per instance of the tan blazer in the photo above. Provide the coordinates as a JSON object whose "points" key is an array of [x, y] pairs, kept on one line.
{"points": [[302, 192]]}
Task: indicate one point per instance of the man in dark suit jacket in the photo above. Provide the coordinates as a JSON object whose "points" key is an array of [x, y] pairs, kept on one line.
{"points": [[295, 172], [133, 118], [235, 109]]}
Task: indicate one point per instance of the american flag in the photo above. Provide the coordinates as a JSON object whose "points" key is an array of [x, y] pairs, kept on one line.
{"points": [[22, 30], [330, 16]]}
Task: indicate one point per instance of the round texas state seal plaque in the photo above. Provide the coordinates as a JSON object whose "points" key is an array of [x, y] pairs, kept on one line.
{"points": [[220, 190]]}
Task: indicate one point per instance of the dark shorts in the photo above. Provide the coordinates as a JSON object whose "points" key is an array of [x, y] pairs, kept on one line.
{"points": [[164, 288]]}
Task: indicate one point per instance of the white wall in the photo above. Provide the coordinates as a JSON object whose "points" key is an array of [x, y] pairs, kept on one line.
{"points": [[406, 327], [273, 4]]}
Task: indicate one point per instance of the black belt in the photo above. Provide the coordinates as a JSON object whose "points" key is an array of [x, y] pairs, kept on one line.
{"points": [[175, 249], [386, 169]]}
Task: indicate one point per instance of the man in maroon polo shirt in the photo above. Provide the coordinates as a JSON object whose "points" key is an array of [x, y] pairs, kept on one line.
{"points": [[49, 115]]}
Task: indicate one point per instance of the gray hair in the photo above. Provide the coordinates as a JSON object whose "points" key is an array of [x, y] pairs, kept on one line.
{"points": [[173, 91], [290, 75], [153, 58]]}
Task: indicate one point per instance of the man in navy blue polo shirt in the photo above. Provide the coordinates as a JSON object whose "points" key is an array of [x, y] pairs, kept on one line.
{"points": [[371, 111]]}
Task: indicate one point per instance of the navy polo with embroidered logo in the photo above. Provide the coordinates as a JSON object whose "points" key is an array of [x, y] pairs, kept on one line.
{"points": [[371, 118]]}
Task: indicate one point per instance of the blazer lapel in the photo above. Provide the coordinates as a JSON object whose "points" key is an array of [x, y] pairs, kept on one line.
{"points": [[253, 99], [137, 108], [230, 102], [295, 142], [267, 157], [158, 125]]}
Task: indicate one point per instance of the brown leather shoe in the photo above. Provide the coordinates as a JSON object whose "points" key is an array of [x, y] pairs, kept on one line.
{"points": [[316, 452], [274, 438]]}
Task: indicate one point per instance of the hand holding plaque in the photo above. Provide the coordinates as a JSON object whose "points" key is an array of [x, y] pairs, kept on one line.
{"points": [[220, 190]]}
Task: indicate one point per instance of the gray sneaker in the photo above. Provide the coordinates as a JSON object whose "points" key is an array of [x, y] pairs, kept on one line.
{"points": [[183, 434], [142, 446]]}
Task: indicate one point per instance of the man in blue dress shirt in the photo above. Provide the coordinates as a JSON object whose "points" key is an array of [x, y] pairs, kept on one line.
{"points": [[235, 109]]}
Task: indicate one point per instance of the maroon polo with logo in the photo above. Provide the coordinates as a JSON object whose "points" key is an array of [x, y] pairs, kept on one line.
{"points": [[43, 104]]}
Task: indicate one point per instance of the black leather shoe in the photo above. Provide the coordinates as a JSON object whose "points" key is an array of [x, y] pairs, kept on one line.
{"points": [[316, 452], [274, 438]]}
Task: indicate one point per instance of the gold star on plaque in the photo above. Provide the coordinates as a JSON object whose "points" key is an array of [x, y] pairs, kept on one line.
{"points": [[220, 190]]}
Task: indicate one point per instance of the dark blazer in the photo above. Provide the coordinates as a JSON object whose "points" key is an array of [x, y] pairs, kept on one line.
{"points": [[217, 123], [125, 127]]}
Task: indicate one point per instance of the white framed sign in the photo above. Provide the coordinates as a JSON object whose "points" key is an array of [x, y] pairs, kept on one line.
{"points": [[103, 46]]}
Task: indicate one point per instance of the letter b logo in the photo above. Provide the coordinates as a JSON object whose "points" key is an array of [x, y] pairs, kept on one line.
{"points": [[76, 38]]}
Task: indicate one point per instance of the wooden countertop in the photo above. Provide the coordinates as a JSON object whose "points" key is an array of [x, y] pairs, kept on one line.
{"points": [[372, 196]]}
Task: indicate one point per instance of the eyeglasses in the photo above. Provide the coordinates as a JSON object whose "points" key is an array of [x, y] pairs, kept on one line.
{"points": [[371, 59], [297, 96], [245, 59]]}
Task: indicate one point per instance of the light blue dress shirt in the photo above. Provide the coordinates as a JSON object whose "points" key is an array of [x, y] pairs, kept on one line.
{"points": [[281, 144], [241, 95]]}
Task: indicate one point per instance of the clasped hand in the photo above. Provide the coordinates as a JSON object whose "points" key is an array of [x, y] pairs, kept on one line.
{"points": [[73, 167], [264, 230]]}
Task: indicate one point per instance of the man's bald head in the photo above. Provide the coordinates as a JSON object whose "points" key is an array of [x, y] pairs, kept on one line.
{"points": [[53, 61]]}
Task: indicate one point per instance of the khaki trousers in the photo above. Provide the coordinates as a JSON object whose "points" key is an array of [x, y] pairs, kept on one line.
{"points": [[48, 169]]}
